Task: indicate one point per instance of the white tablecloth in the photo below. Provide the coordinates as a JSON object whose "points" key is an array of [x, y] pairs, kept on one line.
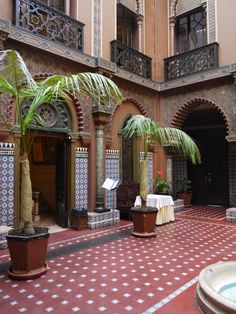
{"points": [[164, 204]]}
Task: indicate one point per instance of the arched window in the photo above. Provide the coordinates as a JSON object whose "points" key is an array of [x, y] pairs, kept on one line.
{"points": [[191, 31]]}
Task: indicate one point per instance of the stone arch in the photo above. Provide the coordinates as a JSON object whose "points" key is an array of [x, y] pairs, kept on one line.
{"points": [[186, 109], [172, 6], [177, 7], [79, 115], [139, 7], [126, 99], [134, 101]]}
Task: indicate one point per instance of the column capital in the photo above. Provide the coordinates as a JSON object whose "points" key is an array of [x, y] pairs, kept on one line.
{"points": [[101, 119], [139, 19], [172, 21]]}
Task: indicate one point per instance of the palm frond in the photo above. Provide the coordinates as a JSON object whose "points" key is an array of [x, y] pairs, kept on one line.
{"points": [[5, 87], [151, 133], [179, 141], [140, 126], [14, 70], [100, 88]]}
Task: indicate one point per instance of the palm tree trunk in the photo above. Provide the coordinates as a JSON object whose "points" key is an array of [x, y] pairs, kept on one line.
{"points": [[144, 179], [26, 195]]}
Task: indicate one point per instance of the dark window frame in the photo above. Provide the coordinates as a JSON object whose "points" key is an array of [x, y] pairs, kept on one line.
{"points": [[190, 27]]}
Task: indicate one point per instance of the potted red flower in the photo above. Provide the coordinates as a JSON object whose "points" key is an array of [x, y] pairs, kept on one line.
{"points": [[162, 186]]}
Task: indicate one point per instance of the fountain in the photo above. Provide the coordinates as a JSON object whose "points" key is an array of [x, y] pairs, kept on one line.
{"points": [[216, 289]]}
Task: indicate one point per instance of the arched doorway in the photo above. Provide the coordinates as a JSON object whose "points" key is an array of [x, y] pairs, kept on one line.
{"points": [[206, 124], [50, 162]]}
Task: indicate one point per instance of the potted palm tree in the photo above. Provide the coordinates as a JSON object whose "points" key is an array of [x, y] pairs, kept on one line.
{"points": [[28, 244], [153, 134]]}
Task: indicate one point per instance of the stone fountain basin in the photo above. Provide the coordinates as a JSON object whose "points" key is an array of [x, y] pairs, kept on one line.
{"points": [[211, 280]]}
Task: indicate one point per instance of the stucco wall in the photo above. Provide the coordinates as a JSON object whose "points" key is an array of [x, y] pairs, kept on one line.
{"points": [[82, 11], [6, 9], [226, 22], [108, 26]]}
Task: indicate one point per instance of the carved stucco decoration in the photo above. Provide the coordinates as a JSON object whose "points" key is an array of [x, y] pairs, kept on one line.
{"points": [[134, 5], [186, 109], [177, 7], [222, 97]]}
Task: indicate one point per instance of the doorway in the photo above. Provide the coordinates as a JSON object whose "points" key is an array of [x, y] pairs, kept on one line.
{"points": [[49, 172], [210, 178]]}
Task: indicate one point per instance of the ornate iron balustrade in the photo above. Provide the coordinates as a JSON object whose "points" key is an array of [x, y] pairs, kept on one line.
{"points": [[40, 19], [130, 59], [193, 61]]}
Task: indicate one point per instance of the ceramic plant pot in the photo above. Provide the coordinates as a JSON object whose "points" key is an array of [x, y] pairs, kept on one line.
{"points": [[28, 254]]}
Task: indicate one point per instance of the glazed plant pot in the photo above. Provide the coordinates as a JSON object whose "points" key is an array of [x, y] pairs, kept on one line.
{"points": [[144, 221], [186, 197], [28, 254]]}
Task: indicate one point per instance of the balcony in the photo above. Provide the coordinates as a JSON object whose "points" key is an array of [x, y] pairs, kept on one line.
{"points": [[130, 59], [42, 20], [190, 62]]}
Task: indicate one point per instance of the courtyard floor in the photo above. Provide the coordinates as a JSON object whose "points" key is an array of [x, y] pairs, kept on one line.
{"points": [[110, 271]]}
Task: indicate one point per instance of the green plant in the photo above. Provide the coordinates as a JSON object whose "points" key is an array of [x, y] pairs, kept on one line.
{"points": [[161, 184], [16, 80], [183, 185], [153, 134]]}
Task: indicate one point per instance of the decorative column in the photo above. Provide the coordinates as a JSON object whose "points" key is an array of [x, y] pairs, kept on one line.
{"points": [[139, 20], [100, 119], [172, 22], [67, 7]]}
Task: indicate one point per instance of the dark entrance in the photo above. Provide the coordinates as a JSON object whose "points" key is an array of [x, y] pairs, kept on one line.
{"points": [[49, 158], [210, 178]]}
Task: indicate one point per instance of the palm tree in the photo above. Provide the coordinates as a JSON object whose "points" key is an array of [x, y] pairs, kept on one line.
{"points": [[152, 133], [16, 80]]}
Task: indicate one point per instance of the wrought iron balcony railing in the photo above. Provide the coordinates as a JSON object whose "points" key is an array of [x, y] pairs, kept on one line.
{"points": [[190, 62], [40, 19], [130, 59]]}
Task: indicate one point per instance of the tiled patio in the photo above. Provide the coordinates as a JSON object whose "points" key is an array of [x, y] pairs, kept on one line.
{"points": [[109, 271]]}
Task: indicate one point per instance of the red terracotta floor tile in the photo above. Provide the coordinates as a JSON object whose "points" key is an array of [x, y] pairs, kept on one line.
{"points": [[110, 271]]}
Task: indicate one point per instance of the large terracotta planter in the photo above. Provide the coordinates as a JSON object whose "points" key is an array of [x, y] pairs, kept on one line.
{"points": [[28, 254], [144, 221], [186, 197]]}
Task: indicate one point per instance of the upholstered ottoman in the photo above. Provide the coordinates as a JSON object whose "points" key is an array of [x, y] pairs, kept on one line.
{"points": [[231, 214]]}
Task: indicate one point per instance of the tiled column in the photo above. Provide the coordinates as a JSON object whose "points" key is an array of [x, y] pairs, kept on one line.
{"points": [[112, 172], [81, 177], [99, 168], [7, 164], [100, 119]]}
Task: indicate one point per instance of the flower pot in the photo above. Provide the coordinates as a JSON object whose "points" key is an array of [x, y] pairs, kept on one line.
{"points": [[28, 254], [144, 221], [186, 197]]}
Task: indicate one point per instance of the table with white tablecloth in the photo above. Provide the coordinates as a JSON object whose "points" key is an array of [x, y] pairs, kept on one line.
{"points": [[164, 204]]}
